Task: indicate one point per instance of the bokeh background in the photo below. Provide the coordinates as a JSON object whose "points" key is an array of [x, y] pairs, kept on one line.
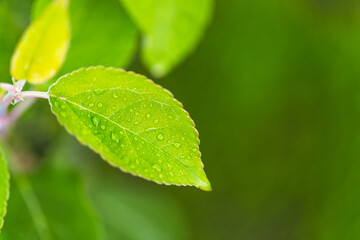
{"points": [[274, 90]]}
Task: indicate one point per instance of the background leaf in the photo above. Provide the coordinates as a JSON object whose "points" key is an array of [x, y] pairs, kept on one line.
{"points": [[171, 29], [49, 204], [43, 47], [14, 16], [4, 185], [132, 122], [101, 34]]}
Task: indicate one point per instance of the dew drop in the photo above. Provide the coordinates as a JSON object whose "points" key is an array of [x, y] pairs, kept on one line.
{"points": [[63, 106], [91, 104], [161, 176], [157, 167], [131, 110], [100, 105], [148, 115], [103, 127], [160, 136], [99, 92], [115, 137], [156, 121], [114, 95], [177, 145], [96, 121]]}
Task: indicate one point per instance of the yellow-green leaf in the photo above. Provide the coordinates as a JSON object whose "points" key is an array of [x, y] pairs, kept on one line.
{"points": [[133, 123], [42, 49]]}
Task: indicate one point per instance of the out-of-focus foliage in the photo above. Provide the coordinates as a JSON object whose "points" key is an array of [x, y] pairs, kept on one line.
{"points": [[14, 16], [136, 215], [274, 90], [133, 123], [171, 29], [102, 34], [42, 49], [49, 204], [4, 186]]}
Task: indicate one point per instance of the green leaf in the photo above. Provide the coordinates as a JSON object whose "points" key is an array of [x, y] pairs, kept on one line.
{"points": [[133, 123], [4, 185], [171, 29], [49, 204], [101, 34], [42, 49]]}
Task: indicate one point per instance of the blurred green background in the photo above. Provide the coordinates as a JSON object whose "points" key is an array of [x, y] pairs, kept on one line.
{"points": [[273, 88]]}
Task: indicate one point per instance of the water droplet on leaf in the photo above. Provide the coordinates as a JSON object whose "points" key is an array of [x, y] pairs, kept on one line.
{"points": [[115, 137], [160, 136], [96, 121], [156, 167]]}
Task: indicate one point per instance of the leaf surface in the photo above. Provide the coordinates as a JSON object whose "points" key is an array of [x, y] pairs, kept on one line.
{"points": [[4, 185], [133, 123], [42, 49], [171, 29]]}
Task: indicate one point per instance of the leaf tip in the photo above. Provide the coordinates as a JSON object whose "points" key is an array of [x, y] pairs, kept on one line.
{"points": [[203, 182]]}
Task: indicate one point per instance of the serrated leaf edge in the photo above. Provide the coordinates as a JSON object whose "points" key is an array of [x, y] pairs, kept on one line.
{"points": [[205, 188]]}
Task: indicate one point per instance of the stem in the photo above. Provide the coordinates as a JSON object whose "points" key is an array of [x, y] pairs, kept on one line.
{"points": [[34, 94], [5, 102], [15, 95], [6, 86]]}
